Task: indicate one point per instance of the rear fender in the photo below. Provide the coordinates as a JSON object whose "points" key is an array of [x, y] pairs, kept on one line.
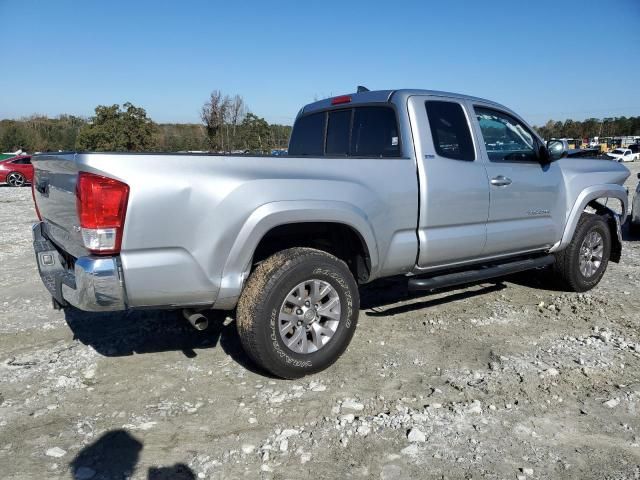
{"points": [[275, 214]]}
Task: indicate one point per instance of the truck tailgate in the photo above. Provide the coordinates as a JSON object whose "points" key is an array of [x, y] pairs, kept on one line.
{"points": [[54, 190]]}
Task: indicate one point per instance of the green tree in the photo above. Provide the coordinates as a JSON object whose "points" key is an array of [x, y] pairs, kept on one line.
{"points": [[256, 133], [117, 130], [13, 136]]}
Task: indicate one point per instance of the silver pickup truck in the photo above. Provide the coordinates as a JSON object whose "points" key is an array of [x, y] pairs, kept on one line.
{"points": [[442, 188]]}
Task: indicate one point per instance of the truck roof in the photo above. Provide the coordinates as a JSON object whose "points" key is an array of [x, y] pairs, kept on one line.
{"points": [[385, 96]]}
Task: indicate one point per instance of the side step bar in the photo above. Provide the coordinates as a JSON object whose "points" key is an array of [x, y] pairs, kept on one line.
{"points": [[484, 273]]}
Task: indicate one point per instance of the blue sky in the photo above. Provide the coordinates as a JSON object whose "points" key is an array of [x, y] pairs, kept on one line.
{"points": [[545, 59]]}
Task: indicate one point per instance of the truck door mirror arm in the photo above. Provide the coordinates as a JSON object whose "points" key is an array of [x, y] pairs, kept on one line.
{"points": [[543, 155]]}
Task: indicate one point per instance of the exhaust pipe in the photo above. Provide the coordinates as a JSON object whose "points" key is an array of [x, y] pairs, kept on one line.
{"points": [[199, 321]]}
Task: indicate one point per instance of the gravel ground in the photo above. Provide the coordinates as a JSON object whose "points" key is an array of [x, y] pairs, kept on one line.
{"points": [[498, 380]]}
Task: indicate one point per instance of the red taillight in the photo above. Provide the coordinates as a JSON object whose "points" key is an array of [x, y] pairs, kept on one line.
{"points": [[33, 194], [341, 99], [101, 204]]}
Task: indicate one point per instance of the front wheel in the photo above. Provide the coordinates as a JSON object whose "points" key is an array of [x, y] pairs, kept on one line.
{"points": [[581, 265], [298, 312]]}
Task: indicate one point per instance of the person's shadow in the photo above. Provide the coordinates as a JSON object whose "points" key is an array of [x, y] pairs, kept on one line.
{"points": [[115, 455]]}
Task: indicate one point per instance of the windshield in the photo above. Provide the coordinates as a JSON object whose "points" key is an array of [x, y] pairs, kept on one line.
{"points": [[617, 150]]}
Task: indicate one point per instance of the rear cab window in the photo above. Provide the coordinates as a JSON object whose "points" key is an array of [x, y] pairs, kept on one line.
{"points": [[338, 132], [359, 131], [375, 132], [307, 137]]}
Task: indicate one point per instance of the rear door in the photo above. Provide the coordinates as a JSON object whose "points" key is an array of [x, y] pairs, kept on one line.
{"points": [[526, 204], [454, 190]]}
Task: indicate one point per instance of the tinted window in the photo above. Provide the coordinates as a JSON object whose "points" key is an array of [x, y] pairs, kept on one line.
{"points": [[307, 137], [22, 161], [338, 128], [450, 130], [505, 138], [375, 132]]}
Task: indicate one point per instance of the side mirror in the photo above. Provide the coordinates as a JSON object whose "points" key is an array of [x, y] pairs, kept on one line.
{"points": [[556, 149]]}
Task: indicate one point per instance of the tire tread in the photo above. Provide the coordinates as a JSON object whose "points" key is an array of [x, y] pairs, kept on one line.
{"points": [[566, 264], [251, 306]]}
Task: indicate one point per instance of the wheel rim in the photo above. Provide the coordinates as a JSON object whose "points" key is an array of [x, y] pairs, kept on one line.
{"points": [[591, 252], [309, 316], [15, 179]]}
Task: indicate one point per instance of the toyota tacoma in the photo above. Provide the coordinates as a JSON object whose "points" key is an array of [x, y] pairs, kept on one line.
{"points": [[443, 189]]}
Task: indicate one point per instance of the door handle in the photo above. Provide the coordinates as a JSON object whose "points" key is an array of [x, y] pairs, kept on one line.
{"points": [[500, 181]]}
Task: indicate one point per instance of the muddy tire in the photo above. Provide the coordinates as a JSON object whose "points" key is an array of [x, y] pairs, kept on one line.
{"points": [[581, 265], [298, 312]]}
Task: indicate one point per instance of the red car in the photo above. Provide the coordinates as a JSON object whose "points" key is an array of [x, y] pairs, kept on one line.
{"points": [[16, 171]]}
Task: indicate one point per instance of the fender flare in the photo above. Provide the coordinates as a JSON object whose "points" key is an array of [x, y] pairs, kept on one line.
{"points": [[274, 214], [586, 196]]}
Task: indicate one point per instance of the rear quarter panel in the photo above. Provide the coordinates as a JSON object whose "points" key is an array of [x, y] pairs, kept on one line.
{"points": [[186, 213]]}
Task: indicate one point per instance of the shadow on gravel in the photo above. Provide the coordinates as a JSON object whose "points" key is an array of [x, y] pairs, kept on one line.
{"points": [[377, 295], [150, 331], [628, 235], [115, 455]]}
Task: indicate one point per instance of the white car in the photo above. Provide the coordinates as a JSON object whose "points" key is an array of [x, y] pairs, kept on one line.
{"points": [[635, 210], [622, 155]]}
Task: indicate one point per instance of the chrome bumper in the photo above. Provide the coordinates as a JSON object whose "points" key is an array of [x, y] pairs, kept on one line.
{"points": [[89, 283]]}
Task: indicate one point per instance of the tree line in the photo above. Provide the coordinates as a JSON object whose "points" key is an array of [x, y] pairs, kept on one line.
{"points": [[591, 127], [228, 126]]}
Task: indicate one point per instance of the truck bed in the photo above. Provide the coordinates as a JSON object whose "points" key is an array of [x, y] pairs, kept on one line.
{"points": [[191, 218]]}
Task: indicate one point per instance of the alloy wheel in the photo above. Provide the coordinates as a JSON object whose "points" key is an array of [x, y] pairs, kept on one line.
{"points": [[309, 316]]}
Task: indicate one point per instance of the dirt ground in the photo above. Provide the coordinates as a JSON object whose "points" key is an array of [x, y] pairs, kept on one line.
{"points": [[499, 380]]}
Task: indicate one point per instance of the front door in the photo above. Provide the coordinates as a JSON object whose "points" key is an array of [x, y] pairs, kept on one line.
{"points": [[525, 196], [454, 190]]}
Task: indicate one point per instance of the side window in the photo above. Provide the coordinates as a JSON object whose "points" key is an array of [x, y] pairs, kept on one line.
{"points": [[375, 132], [307, 137], [338, 128], [505, 138], [450, 130]]}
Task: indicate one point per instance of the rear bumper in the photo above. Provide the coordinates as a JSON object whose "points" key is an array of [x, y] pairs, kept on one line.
{"points": [[90, 283]]}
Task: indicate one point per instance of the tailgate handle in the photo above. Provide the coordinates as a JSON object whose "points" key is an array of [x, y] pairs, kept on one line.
{"points": [[43, 187]]}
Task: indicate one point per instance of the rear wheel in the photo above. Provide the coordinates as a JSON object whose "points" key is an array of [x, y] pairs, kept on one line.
{"points": [[16, 179], [298, 312], [581, 265]]}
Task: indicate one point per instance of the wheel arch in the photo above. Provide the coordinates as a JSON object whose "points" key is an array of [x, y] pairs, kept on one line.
{"points": [[294, 215], [592, 197]]}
